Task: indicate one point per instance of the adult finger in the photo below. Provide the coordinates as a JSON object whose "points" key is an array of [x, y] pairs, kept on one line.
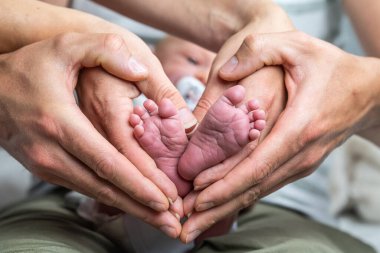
{"points": [[199, 222], [219, 171], [106, 50], [177, 208], [79, 137], [188, 202], [110, 52], [262, 50], [60, 166], [301, 165]]}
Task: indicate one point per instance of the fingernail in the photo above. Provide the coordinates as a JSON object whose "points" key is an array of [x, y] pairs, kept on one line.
{"points": [[191, 236], [171, 202], [188, 119], [205, 206], [170, 231], [135, 66], [230, 66], [158, 206]]}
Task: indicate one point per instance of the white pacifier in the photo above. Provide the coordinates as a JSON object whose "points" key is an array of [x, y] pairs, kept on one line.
{"points": [[191, 90]]}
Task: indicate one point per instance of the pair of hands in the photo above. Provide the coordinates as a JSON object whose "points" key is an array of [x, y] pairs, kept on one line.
{"points": [[43, 127]]}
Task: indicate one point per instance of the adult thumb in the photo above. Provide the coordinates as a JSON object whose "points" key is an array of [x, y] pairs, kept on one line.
{"points": [[262, 50], [106, 50]]}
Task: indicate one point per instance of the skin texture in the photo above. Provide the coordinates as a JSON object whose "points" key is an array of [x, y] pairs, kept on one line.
{"points": [[216, 22], [363, 20], [224, 28], [225, 130], [37, 21], [43, 127], [159, 131], [212, 27], [350, 80]]}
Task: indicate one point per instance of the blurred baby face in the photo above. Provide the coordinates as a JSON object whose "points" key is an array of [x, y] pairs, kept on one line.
{"points": [[180, 58]]}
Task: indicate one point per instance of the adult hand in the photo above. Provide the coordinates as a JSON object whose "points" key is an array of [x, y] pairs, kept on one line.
{"points": [[42, 126], [271, 19], [107, 102], [265, 85], [331, 95]]}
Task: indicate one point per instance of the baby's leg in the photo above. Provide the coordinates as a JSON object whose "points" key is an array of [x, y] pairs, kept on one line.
{"points": [[224, 131], [160, 132]]}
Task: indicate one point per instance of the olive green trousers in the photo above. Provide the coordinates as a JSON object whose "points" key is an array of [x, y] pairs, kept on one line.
{"points": [[45, 225]]}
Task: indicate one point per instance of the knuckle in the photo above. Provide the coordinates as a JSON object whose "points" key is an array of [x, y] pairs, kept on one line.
{"points": [[105, 167], [312, 133], [165, 91], [38, 157], [302, 37], [308, 43], [249, 197], [113, 42], [251, 43], [46, 125], [225, 195], [204, 104], [107, 196], [261, 170], [63, 41], [46, 166], [133, 192], [146, 218]]}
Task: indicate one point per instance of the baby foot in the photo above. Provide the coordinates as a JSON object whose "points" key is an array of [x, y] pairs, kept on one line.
{"points": [[160, 133], [224, 131]]}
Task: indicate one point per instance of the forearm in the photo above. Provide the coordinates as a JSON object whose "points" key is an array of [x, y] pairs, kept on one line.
{"points": [[208, 23], [36, 21], [58, 2], [366, 22]]}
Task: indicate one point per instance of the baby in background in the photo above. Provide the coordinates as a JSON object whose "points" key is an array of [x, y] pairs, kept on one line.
{"points": [[227, 127]]}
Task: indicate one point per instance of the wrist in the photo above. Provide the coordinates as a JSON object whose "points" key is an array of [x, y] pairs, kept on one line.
{"points": [[260, 16], [370, 71], [38, 21], [269, 18]]}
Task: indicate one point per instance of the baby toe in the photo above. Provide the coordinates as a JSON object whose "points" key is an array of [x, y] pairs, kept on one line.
{"points": [[135, 120], [254, 134], [259, 124], [151, 107], [138, 131]]}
